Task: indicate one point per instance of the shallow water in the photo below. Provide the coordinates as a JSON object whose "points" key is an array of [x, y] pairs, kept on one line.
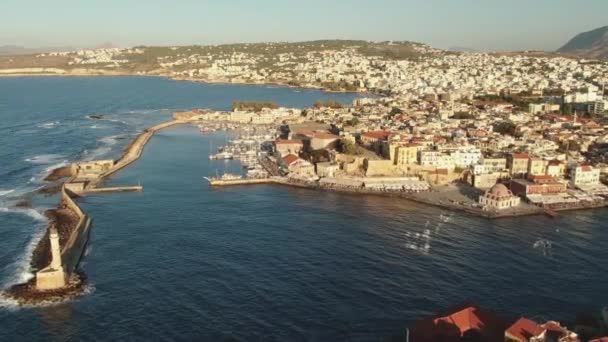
{"points": [[182, 261]]}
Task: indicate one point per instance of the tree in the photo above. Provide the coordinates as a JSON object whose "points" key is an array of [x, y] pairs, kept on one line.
{"points": [[329, 103], [353, 122], [463, 116], [347, 147], [505, 127], [395, 111], [255, 106], [567, 109]]}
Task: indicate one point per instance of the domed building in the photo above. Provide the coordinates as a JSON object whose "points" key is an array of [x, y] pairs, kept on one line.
{"points": [[499, 197]]}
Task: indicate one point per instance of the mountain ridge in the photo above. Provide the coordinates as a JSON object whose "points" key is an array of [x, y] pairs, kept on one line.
{"points": [[589, 44]]}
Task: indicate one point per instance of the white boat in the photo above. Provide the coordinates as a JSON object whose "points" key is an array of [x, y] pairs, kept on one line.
{"points": [[221, 156], [224, 177]]}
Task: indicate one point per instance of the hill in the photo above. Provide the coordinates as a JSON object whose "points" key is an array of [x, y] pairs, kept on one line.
{"points": [[591, 44], [13, 50]]}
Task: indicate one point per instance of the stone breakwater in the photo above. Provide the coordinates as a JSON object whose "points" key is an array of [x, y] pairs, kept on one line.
{"points": [[57, 255]]}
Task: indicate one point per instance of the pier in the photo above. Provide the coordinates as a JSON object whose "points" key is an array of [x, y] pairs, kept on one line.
{"points": [[58, 254], [244, 181]]}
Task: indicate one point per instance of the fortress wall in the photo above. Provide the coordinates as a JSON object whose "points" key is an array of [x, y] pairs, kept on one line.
{"points": [[74, 247]]}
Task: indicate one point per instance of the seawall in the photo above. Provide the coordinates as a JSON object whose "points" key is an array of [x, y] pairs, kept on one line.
{"points": [[55, 283], [136, 147], [72, 251]]}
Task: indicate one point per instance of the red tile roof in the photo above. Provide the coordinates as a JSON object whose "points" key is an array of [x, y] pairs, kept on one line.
{"points": [[520, 156], [380, 135], [322, 135], [309, 134], [540, 179], [290, 159], [524, 329], [461, 322]]}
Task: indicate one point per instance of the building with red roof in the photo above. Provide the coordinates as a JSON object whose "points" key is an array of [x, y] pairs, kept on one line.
{"points": [[322, 140], [526, 330], [290, 159], [289, 146], [461, 323], [298, 166], [523, 330]]}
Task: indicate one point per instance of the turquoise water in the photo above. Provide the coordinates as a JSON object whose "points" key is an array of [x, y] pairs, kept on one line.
{"points": [[182, 261]]}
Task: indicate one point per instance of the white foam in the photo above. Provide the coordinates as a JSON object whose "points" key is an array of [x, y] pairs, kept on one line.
{"points": [[6, 192], [104, 149], [44, 159], [48, 125], [55, 166], [8, 303], [33, 213], [22, 270]]}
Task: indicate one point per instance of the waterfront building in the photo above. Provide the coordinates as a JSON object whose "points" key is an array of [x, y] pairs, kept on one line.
{"points": [[555, 169], [289, 146], [517, 163], [464, 323], [298, 166], [466, 158], [488, 180], [537, 185], [493, 164], [526, 330], [408, 154], [536, 166], [437, 159], [241, 116], [584, 177], [499, 198], [327, 169]]}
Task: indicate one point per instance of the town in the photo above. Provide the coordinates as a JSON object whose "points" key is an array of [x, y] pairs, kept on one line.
{"points": [[492, 135], [487, 154]]}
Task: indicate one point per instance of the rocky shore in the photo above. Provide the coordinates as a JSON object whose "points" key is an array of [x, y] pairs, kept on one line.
{"points": [[27, 294]]}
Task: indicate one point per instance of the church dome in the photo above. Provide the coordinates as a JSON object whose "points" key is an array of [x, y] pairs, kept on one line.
{"points": [[499, 191]]}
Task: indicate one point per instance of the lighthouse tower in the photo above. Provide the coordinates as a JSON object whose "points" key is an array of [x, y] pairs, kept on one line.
{"points": [[53, 276]]}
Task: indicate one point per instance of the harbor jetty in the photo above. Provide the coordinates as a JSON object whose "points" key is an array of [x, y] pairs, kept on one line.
{"points": [[57, 255]]}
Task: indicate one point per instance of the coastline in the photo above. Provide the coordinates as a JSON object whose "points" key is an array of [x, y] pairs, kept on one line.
{"points": [[27, 294], [73, 226], [109, 73]]}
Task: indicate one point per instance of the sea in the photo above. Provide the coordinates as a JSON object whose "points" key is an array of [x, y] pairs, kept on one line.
{"points": [[183, 261]]}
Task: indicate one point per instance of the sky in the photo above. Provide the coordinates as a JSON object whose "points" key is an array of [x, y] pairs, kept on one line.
{"points": [[477, 24]]}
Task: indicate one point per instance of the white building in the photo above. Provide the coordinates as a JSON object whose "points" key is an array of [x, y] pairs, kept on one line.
{"points": [[466, 158], [584, 176], [499, 198]]}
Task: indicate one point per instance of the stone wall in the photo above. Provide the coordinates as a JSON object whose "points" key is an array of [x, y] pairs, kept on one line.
{"points": [[65, 258]]}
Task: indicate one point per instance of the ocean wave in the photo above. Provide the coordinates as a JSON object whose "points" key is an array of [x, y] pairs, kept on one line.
{"points": [[6, 192], [55, 166], [33, 213], [48, 125], [145, 111], [117, 121], [22, 271], [104, 148], [44, 158]]}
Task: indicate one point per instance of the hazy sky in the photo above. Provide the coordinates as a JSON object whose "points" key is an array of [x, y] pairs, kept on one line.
{"points": [[479, 24]]}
